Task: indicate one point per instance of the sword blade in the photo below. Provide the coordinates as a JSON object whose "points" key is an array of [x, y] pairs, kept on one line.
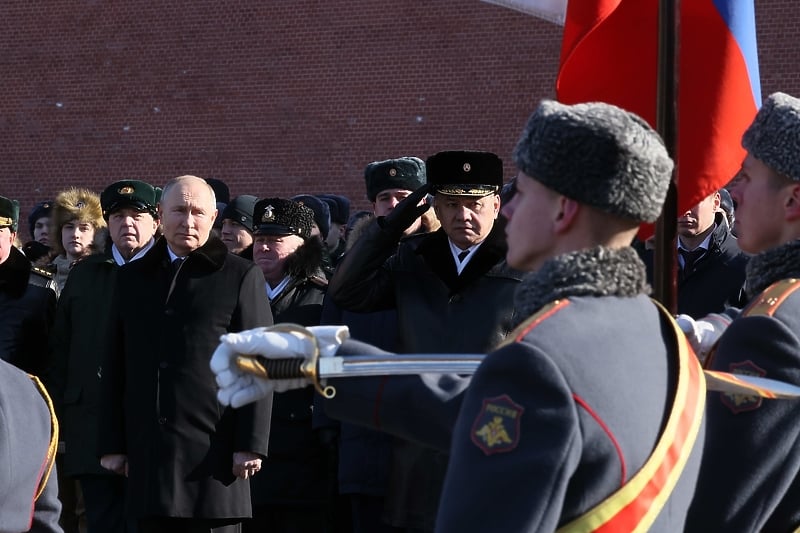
{"points": [[408, 364], [397, 365]]}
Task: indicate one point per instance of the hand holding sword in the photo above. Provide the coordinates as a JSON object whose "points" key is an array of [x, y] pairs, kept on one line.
{"points": [[252, 364]]}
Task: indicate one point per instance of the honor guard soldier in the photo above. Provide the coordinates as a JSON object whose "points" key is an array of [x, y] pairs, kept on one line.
{"points": [[750, 477], [546, 438]]}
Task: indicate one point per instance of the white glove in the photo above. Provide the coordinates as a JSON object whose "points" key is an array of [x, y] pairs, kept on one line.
{"points": [[238, 388], [703, 334]]}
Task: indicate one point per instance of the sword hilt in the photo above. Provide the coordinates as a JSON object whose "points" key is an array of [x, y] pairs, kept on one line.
{"points": [[288, 367]]}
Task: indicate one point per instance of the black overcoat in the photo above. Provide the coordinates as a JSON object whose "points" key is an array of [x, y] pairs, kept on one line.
{"points": [[159, 394]]}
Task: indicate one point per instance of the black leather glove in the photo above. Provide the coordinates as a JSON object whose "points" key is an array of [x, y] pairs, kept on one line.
{"points": [[406, 212]]}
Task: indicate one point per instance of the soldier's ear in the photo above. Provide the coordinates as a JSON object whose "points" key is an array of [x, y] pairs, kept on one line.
{"points": [[792, 202]]}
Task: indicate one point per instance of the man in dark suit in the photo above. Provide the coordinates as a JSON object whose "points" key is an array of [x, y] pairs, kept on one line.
{"points": [[452, 290], [186, 457], [79, 340]]}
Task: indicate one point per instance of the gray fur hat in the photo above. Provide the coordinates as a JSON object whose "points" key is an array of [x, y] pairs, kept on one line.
{"points": [[599, 155], [774, 136], [400, 173]]}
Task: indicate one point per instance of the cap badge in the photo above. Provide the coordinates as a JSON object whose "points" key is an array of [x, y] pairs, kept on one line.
{"points": [[269, 214], [242, 218], [126, 190], [467, 167], [80, 205], [393, 172]]}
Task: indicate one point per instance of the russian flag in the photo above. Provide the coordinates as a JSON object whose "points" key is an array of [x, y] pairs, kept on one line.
{"points": [[609, 53]]}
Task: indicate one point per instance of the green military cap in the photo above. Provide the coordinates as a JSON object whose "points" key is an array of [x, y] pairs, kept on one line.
{"points": [[134, 194], [9, 213]]}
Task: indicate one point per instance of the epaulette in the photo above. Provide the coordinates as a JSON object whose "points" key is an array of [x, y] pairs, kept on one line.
{"points": [[319, 281], [40, 277], [772, 297]]}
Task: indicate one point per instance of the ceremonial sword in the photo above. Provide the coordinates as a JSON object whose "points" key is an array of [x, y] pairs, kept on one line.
{"points": [[316, 368]]}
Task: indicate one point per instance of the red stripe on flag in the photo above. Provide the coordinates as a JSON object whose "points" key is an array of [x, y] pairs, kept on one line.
{"points": [[609, 53]]}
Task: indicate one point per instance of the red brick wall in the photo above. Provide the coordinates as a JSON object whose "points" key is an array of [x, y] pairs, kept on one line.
{"points": [[277, 97]]}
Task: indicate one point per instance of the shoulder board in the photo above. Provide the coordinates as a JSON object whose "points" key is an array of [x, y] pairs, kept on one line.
{"points": [[42, 272], [772, 297], [534, 320], [319, 281]]}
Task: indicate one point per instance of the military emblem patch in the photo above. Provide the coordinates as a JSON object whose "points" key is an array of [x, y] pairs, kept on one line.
{"points": [[496, 428], [126, 190], [393, 172], [269, 214], [740, 403]]}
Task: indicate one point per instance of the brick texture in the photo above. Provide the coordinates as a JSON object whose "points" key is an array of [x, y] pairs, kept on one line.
{"points": [[280, 97]]}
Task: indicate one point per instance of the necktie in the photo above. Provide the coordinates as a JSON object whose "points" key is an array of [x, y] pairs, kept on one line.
{"points": [[690, 258], [176, 264], [463, 255]]}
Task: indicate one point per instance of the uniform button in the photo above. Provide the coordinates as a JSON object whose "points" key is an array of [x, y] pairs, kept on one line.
{"points": [[169, 312], [291, 416], [163, 364], [162, 420]]}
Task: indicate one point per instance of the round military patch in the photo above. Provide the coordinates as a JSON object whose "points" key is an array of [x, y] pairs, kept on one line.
{"points": [[496, 428], [740, 403]]}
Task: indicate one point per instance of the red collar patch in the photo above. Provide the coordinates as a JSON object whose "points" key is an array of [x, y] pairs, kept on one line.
{"points": [[496, 428], [740, 403]]}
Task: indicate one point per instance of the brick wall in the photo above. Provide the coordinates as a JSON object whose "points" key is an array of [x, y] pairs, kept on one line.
{"points": [[277, 97]]}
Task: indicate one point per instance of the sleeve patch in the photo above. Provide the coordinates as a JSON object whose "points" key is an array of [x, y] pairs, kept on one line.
{"points": [[496, 428], [740, 403]]}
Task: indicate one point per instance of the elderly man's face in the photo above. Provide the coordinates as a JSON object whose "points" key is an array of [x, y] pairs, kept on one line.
{"points": [[131, 230], [700, 217], [6, 242], [187, 213], [467, 220], [270, 253]]}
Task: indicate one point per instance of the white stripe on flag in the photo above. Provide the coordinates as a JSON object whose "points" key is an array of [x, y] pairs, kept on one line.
{"points": [[551, 10]]}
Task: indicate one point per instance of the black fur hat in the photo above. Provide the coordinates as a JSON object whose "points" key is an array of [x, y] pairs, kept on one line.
{"points": [[599, 155], [278, 216]]}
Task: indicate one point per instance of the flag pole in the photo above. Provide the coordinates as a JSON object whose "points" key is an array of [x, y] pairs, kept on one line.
{"points": [[665, 264]]}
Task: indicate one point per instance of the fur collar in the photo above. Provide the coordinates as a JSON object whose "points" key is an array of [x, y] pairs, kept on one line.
{"points": [[775, 264], [598, 271], [306, 261]]}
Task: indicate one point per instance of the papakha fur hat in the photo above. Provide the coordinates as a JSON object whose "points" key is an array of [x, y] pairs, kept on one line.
{"points": [[77, 204], [599, 155], [774, 136]]}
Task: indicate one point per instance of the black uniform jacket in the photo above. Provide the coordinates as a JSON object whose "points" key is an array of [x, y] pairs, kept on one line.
{"points": [[27, 311], [159, 402]]}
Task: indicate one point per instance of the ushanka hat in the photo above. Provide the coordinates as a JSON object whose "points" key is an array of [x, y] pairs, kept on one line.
{"points": [[9, 213], [133, 194], [322, 213], [240, 209], [406, 173], [599, 155], [278, 216], [774, 136], [40, 210], [465, 173]]}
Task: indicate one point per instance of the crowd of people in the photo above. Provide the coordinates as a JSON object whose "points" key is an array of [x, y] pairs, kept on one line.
{"points": [[128, 310]]}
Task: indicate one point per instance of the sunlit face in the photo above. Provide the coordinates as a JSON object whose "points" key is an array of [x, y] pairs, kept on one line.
{"points": [[131, 230], [387, 200], [467, 220], [187, 212], [6, 242], [235, 236], [270, 253], [700, 217], [41, 230], [530, 230], [77, 238], [760, 198]]}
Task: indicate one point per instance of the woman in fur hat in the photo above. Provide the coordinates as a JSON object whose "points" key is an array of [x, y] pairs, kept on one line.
{"points": [[79, 231]]}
